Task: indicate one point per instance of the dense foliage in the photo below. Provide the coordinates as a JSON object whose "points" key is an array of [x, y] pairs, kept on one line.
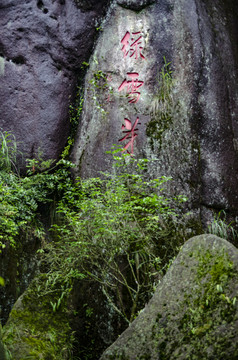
{"points": [[20, 196], [112, 230], [119, 230]]}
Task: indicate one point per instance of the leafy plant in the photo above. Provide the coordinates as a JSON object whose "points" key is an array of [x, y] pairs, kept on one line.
{"points": [[38, 164], [20, 197], [220, 227], [56, 305], [8, 151], [75, 110], [110, 228], [119, 230]]}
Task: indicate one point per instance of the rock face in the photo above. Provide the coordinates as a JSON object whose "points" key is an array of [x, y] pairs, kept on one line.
{"points": [[194, 138], [36, 330], [191, 134], [43, 44], [194, 311], [50, 322]]}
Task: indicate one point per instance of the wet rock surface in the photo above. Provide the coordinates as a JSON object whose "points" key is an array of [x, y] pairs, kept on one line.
{"points": [[42, 47]]}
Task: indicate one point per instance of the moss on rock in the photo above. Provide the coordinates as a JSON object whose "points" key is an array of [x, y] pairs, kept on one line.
{"points": [[37, 329], [193, 314]]}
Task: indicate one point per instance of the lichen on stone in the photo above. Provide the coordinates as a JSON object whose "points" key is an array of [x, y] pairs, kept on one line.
{"points": [[208, 313]]}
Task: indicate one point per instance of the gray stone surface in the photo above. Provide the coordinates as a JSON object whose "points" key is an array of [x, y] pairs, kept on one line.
{"points": [[193, 313], [42, 46], [199, 147]]}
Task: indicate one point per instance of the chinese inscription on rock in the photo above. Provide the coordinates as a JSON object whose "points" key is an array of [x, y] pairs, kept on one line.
{"points": [[132, 48], [131, 45]]}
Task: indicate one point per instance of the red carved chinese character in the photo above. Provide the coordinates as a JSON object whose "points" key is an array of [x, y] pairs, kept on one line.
{"points": [[126, 44], [131, 87], [130, 134], [131, 45]]}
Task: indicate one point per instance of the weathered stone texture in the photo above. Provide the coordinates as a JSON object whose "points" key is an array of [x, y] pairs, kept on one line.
{"points": [[199, 147], [191, 315], [106, 107], [43, 44]]}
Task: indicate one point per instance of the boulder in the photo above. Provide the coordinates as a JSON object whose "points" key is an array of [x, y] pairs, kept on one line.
{"points": [[55, 319], [39, 324], [43, 44], [191, 134], [194, 311]]}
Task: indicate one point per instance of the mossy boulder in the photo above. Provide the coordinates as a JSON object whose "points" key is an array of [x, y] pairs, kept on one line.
{"points": [[38, 326], [194, 311]]}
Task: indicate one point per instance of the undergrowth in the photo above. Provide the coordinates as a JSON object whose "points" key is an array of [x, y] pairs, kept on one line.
{"points": [[120, 230], [114, 229], [222, 228], [20, 198]]}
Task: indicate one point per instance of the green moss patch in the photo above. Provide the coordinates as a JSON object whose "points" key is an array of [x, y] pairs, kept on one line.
{"points": [[206, 329], [37, 330], [193, 314]]}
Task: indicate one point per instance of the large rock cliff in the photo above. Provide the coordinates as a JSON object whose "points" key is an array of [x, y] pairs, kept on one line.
{"points": [[43, 44], [191, 134], [185, 121], [161, 84]]}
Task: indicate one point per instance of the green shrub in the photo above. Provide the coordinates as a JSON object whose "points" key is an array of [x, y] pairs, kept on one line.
{"points": [[20, 197], [120, 230], [110, 232]]}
